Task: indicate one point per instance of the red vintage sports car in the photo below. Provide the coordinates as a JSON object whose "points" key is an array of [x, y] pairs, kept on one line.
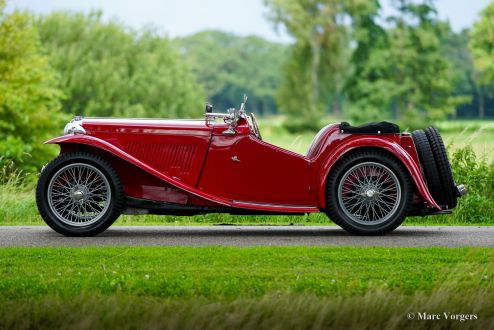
{"points": [[367, 179]]}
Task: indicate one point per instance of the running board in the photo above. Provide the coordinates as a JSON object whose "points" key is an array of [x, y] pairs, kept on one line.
{"points": [[276, 207], [136, 206]]}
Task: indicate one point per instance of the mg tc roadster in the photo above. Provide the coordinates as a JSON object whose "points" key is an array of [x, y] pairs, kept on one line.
{"points": [[367, 179]]}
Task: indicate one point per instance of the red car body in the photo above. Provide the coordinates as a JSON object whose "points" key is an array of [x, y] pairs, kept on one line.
{"points": [[192, 162]]}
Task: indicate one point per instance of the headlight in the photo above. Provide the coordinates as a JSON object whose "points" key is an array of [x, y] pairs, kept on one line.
{"points": [[74, 126]]}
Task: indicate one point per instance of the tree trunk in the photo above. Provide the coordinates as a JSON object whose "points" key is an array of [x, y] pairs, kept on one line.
{"points": [[481, 104], [314, 75], [336, 109]]}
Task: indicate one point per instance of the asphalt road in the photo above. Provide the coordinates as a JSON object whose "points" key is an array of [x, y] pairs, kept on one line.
{"points": [[410, 236]]}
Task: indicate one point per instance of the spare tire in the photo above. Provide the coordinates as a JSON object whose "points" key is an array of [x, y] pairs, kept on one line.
{"points": [[429, 166], [449, 196]]}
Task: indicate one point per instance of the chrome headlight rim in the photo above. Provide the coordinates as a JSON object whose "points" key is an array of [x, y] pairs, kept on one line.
{"points": [[74, 126]]}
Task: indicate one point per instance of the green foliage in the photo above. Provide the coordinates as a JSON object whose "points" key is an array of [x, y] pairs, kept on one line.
{"points": [[10, 176], [482, 46], [474, 171], [317, 65], [29, 97], [397, 70], [229, 66], [455, 49], [401, 72], [109, 70], [478, 176]]}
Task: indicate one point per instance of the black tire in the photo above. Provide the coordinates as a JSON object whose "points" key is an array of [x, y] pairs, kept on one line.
{"points": [[429, 166], [64, 224], [449, 196], [336, 209]]}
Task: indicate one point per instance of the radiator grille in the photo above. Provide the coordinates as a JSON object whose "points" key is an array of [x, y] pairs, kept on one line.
{"points": [[167, 158]]}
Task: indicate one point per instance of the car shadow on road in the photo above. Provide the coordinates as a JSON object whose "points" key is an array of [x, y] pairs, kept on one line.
{"points": [[254, 232]]}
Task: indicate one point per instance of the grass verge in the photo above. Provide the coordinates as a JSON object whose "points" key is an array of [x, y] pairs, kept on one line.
{"points": [[18, 208], [375, 310], [216, 287]]}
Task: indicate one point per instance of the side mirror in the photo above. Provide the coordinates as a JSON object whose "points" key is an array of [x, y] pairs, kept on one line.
{"points": [[209, 108]]}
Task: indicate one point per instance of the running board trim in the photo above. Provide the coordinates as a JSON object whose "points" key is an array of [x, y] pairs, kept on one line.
{"points": [[276, 207]]}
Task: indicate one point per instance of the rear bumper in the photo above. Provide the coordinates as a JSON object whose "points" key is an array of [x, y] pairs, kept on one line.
{"points": [[423, 210], [461, 190]]}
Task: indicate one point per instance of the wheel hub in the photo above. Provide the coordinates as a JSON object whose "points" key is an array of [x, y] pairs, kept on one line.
{"points": [[79, 193], [371, 193]]}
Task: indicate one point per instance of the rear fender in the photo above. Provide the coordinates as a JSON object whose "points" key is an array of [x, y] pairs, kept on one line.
{"points": [[68, 140], [392, 147]]}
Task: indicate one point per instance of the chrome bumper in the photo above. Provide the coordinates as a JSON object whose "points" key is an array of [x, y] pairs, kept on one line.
{"points": [[461, 190]]}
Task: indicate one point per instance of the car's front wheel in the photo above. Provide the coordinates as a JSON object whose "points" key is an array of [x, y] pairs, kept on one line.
{"points": [[79, 194], [368, 193]]}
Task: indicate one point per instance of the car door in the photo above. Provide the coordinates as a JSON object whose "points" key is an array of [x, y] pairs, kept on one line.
{"points": [[264, 173]]}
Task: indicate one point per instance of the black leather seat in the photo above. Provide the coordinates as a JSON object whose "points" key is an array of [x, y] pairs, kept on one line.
{"points": [[383, 127]]}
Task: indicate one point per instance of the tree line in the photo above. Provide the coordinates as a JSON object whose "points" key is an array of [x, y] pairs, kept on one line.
{"points": [[408, 66], [347, 59]]}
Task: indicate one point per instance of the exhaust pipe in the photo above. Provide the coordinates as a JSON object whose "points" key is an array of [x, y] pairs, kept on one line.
{"points": [[461, 190]]}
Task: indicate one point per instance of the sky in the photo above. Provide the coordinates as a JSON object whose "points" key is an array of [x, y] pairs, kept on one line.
{"points": [[244, 17]]}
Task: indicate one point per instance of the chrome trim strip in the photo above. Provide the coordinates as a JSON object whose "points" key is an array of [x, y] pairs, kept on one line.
{"points": [[275, 205]]}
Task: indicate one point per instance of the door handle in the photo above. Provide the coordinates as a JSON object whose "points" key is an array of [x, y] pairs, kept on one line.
{"points": [[229, 131], [236, 160]]}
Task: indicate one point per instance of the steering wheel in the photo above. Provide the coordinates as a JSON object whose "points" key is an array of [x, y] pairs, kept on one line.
{"points": [[255, 127]]}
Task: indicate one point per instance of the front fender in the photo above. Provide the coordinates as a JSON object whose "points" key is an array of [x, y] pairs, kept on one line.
{"points": [[368, 141], [108, 147]]}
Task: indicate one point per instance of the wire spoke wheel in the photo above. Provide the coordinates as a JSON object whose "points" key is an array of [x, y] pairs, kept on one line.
{"points": [[369, 193], [79, 194]]}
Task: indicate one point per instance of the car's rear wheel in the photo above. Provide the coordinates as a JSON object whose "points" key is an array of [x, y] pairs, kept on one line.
{"points": [[79, 194], [368, 193]]}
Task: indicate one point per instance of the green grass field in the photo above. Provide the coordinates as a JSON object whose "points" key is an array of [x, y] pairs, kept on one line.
{"points": [[216, 287]]}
